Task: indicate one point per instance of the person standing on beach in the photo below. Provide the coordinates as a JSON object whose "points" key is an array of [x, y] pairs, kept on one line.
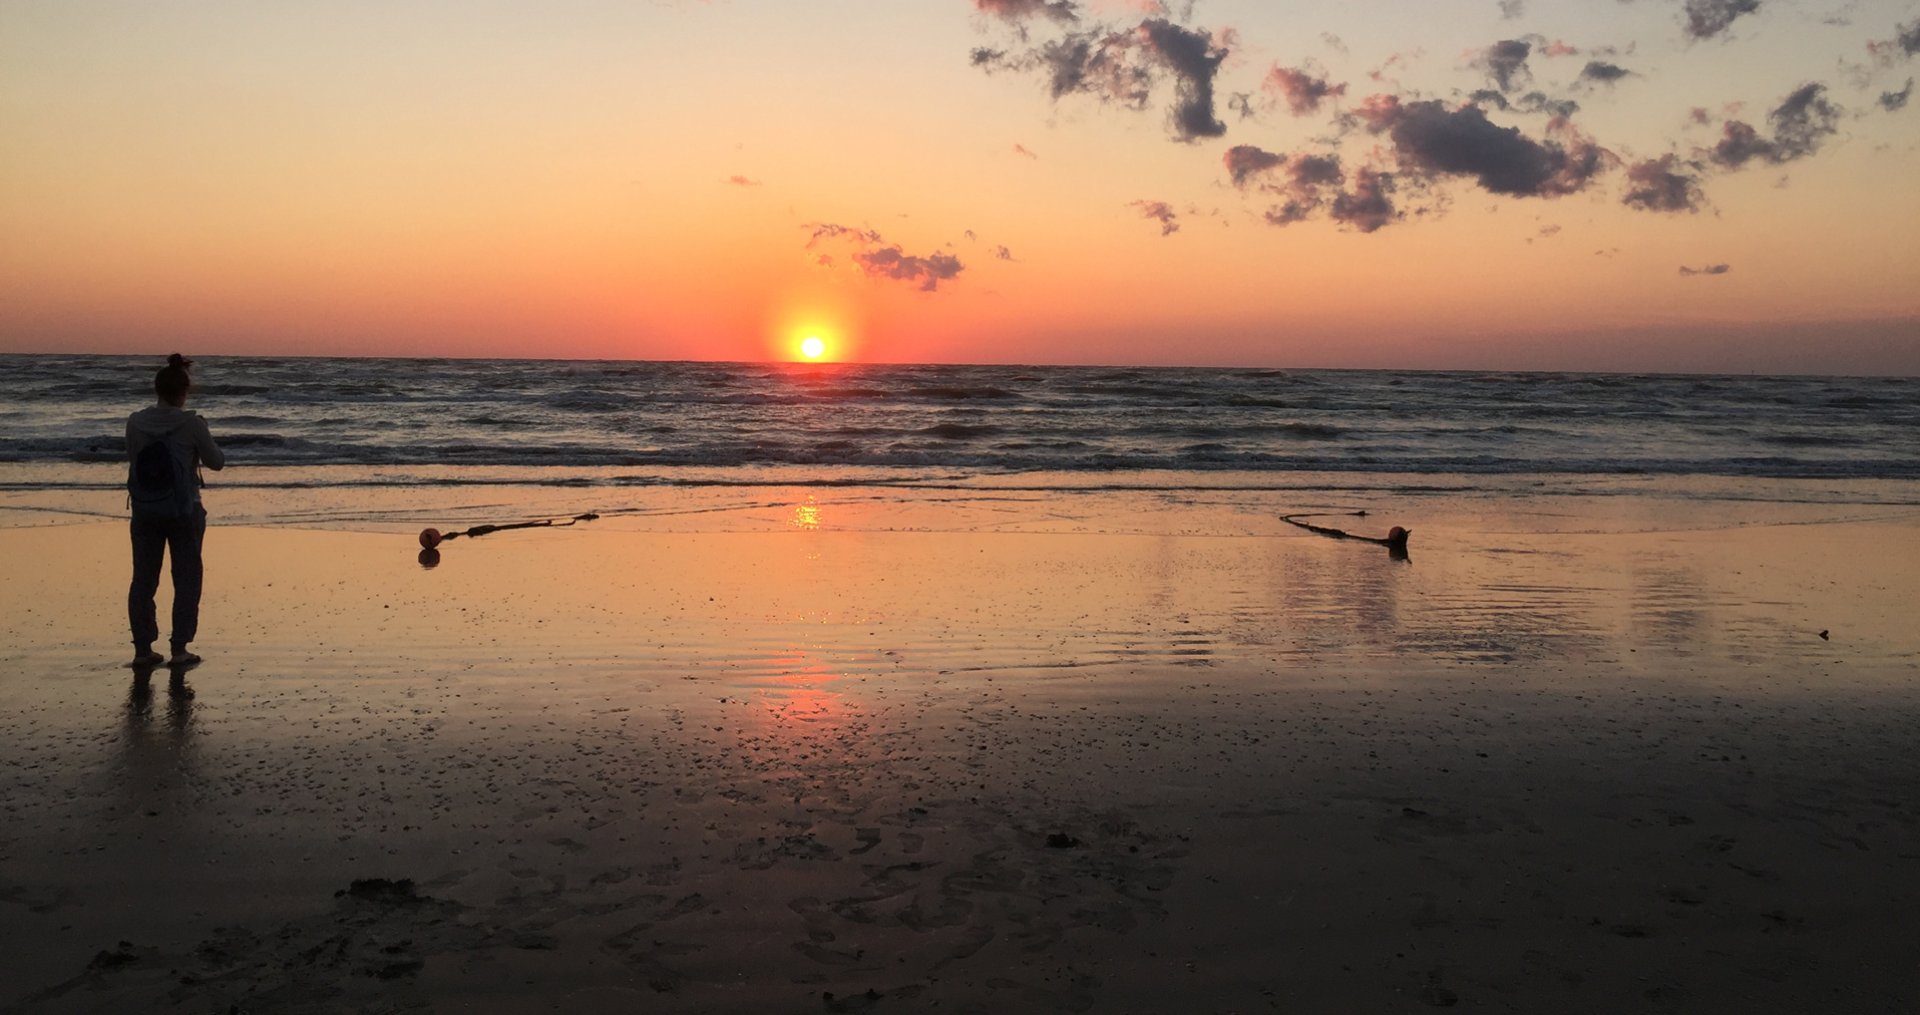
{"points": [[166, 445]]}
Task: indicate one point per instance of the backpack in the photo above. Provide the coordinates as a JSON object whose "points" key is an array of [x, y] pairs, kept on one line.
{"points": [[161, 482]]}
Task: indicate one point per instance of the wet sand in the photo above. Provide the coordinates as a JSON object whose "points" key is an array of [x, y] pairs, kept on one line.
{"points": [[847, 755]]}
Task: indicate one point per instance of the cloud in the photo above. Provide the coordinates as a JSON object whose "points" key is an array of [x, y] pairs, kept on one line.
{"points": [[880, 259], [1532, 102], [1002, 253], [1433, 140], [1245, 161], [1303, 184], [1602, 72], [1801, 123], [1303, 90], [1708, 18], [1369, 205], [1506, 63], [1710, 269], [1123, 65], [1660, 185], [1905, 43], [1021, 10], [741, 181], [1300, 182], [1022, 151], [1160, 211], [1511, 9], [1893, 102]]}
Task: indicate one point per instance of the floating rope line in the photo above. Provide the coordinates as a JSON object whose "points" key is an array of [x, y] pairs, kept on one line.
{"points": [[1395, 541], [430, 538]]}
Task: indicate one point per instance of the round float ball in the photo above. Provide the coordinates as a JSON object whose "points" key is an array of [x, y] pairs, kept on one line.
{"points": [[429, 538]]}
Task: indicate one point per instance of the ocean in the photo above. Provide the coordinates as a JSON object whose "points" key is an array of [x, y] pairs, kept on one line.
{"points": [[665, 416], [603, 426]]}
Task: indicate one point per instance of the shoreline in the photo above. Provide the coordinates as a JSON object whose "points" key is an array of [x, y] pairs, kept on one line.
{"points": [[776, 770]]}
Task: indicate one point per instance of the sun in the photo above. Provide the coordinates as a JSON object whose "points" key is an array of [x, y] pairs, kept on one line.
{"points": [[813, 347]]}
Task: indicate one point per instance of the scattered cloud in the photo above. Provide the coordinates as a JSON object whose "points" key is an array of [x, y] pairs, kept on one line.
{"points": [[1300, 183], [1303, 90], [877, 258], [741, 181], [1159, 211], [1511, 9], [1532, 102], [1603, 73], [1708, 18], [1024, 152], [1505, 63], [1710, 269], [1663, 184], [1905, 43], [1433, 140], [1369, 205], [1002, 253], [1020, 10], [1123, 65], [1801, 123], [1893, 102]]}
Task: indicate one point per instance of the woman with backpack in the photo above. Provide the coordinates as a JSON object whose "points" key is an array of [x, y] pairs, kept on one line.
{"points": [[166, 445]]}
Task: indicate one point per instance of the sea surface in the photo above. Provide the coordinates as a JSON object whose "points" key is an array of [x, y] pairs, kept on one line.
{"points": [[650, 419]]}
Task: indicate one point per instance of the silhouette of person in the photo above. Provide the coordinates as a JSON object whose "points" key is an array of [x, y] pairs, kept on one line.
{"points": [[168, 518]]}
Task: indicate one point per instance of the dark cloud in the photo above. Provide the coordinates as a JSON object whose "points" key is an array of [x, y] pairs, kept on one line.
{"points": [[1122, 65], [1161, 212], [1710, 269], [924, 273], [1708, 18], [1300, 183], [1510, 9], [1506, 63], [1662, 185], [1532, 102], [1003, 253], [1602, 72], [1245, 161], [1303, 90], [1801, 123], [1020, 10], [1893, 102], [1369, 205], [1194, 60], [1905, 43], [879, 259], [1434, 140]]}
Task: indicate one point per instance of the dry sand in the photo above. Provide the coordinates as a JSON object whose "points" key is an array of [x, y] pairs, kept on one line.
{"points": [[811, 765]]}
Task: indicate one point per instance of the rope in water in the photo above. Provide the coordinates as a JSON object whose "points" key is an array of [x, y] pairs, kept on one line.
{"points": [[1396, 537], [430, 538]]}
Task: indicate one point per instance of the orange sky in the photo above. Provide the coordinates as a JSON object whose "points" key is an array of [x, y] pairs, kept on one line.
{"points": [[599, 179]]}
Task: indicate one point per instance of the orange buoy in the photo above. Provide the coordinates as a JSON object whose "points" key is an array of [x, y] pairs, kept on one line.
{"points": [[429, 538]]}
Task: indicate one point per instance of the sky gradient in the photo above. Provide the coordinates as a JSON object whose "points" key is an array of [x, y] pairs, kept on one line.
{"points": [[1690, 185]]}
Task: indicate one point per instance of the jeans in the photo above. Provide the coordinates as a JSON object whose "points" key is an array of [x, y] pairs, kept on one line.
{"points": [[151, 538]]}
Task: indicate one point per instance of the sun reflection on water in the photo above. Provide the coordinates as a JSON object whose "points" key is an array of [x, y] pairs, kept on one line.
{"points": [[806, 516]]}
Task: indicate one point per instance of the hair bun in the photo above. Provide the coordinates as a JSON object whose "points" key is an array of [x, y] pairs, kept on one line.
{"points": [[177, 360]]}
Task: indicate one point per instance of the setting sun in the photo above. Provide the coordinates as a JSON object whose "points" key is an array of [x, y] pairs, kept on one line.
{"points": [[813, 347]]}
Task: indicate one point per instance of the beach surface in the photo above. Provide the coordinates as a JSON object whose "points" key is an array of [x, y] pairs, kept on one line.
{"points": [[834, 750]]}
